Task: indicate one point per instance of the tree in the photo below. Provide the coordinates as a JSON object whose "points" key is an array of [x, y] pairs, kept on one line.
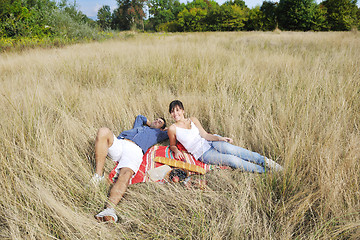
{"points": [[233, 17], [162, 11], [254, 21], [296, 14], [25, 17], [201, 15], [358, 17], [341, 14], [239, 3], [130, 14], [4, 8], [192, 20], [104, 17], [13, 15], [43, 18], [269, 20], [202, 4], [72, 11], [121, 20], [214, 18], [320, 22]]}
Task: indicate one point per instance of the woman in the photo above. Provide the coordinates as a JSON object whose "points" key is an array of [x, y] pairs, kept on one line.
{"points": [[209, 148]]}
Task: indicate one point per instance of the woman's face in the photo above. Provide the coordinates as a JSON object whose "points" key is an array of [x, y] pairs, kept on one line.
{"points": [[177, 113]]}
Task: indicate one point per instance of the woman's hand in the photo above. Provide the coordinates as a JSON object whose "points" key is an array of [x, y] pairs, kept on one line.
{"points": [[226, 139], [179, 155]]}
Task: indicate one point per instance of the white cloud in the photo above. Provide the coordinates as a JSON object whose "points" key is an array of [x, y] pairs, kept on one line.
{"points": [[97, 7]]}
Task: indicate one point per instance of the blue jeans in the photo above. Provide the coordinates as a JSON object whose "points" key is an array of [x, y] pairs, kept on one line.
{"points": [[224, 153]]}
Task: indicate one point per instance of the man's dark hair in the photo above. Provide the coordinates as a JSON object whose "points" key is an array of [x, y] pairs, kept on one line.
{"points": [[177, 172], [175, 103], [164, 125]]}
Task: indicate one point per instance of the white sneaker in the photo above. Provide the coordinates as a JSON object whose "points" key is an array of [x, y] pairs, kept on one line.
{"points": [[96, 179], [107, 215], [273, 165]]}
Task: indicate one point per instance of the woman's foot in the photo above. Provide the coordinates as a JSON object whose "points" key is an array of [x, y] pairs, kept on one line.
{"points": [[273, 165]]}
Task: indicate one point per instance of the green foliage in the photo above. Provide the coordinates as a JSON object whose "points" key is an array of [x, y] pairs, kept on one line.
{"points": [[296, 14], [163, 11], [129, 15], [41, 18], [239, 3], [268, 16], [173, 26], [214, 18], [31, 23], [17, 19], [104, 17], [120, 16], [64, 25], [341, 14], [47, 19], [320, 22], [192, 20], [195, 17], [209, 16], [254, 21], [303, 15], [358, 18], [74, 13], [233, 17], [202, 4]]}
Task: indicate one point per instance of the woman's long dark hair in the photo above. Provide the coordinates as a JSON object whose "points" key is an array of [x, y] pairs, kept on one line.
{"points": [[175, 103]]}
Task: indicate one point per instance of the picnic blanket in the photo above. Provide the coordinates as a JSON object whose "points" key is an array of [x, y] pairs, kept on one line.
{"points": [[149, 162]]}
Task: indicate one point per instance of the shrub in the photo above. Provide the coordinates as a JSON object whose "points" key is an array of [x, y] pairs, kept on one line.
{"points": [[173, 26]]}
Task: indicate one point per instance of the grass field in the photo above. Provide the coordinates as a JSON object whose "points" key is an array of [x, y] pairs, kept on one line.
{"points": [[294, 97]]}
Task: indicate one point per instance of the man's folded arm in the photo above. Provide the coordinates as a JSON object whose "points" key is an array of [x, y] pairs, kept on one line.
{"points": [[140, 120]]}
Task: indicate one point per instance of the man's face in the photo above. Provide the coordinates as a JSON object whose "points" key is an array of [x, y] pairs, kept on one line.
{"points": [[158, 123]]}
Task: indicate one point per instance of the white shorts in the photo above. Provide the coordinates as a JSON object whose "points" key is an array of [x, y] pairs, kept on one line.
{"points": [[126, 154]]}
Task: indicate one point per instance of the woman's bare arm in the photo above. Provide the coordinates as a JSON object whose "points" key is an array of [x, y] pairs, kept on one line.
{"points": [[172, 137], [206, 135]]}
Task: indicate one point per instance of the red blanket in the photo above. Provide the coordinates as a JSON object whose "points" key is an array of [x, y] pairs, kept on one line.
{"points": [[149, 163]]}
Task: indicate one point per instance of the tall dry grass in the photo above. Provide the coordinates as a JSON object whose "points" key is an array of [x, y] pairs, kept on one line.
{"points": [[290, 96]]}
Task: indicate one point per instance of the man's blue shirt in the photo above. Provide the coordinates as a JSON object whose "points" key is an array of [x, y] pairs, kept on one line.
{"points": [[143, 135]]}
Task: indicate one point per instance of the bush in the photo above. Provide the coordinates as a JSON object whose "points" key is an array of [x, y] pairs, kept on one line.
{"points": [[169, 27], [64, 25]]}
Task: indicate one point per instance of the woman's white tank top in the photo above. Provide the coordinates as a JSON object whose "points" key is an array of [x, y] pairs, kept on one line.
{"points": [[192, 141]]}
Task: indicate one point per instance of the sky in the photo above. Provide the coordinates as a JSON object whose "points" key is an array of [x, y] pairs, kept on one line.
{"points": [[91, 7]]}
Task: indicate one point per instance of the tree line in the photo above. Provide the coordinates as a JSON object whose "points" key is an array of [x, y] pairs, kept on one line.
{"points": [[48, 19], [233, 15]]}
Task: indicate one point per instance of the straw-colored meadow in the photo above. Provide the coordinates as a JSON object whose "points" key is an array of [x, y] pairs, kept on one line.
{"points": [[294, 97]]}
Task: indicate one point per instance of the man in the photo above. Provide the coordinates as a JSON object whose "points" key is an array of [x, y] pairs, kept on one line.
{"points": [[127, 150]]}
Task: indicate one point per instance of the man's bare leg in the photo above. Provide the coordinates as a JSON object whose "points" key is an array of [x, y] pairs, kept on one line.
{"points": [[116, 193], [104, 140], [120, 186]]}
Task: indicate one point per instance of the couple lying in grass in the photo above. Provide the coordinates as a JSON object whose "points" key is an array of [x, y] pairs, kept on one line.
{"points": [[128, 149]]}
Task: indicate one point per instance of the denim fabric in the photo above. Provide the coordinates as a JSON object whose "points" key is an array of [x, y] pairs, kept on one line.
{"points": [[224, 153]]}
